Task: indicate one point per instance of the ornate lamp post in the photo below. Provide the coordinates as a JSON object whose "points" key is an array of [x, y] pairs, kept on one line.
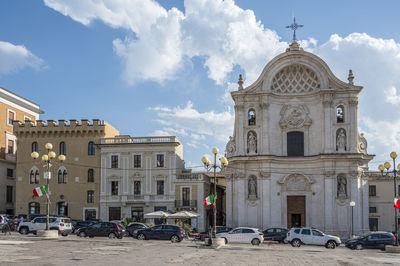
{"points": [[387, 166], [352, 204], [209, 166], [47, 158]]}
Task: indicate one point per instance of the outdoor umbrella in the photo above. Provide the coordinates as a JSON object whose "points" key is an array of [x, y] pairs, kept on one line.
{"points": [[157, 215], [183, 215]]}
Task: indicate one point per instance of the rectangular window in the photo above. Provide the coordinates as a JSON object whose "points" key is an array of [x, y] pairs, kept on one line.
{"points": [[9, 194], [137, 214], [373, 224], [11, 117], [90, 196], [137, 161], [372, 190], [137, 187], [160, 160], [372, 209], [295, 143], [10, 146], [114, 161], [114, 188], [10, 172], [160, 187], [185, 196]]}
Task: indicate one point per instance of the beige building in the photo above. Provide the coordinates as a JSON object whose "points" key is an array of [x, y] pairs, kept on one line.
{"points": [[381, 206], [190, 191], [138, 175], [12, 107], [75, 183]]}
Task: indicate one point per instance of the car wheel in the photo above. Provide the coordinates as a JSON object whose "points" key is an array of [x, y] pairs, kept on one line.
{"points": [[23, 231], [226, 241], [141, 237], [255, 242], [111, 235], [331, 244], [296, 243], [359, 247], [174, 239], [64, 234], [82, 234]]}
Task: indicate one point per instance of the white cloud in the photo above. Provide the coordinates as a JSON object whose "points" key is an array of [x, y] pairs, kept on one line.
{"points": [[217, 30], [15, 57], [392, 96], [196, 124]]}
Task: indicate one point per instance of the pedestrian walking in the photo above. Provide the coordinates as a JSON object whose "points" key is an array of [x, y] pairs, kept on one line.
{"points": [[6, 227]]}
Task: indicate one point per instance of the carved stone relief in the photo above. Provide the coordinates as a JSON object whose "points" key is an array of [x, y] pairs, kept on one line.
{"points": [[342, 186], [294, 116], [251, 142], [341, 142], [362, 143], [230, 147], [252, 187], [297, 182]]}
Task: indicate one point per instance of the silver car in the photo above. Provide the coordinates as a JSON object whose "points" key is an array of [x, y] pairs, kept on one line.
{"points": [[311, 236]]}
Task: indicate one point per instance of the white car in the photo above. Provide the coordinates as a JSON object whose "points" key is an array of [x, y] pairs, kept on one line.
{"points": [[311, 236], [243, 235], [63, 225]]}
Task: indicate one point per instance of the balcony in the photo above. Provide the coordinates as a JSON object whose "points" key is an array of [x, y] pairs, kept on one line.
{"points": [[185, 203], [139, 140], [135, 198]]}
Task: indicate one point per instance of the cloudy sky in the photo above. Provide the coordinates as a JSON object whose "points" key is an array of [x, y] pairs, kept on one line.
{"points": [[166, 67]]}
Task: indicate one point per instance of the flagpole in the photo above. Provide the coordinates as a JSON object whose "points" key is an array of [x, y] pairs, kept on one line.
{"points": [[47, 196], [396, 220], [215, 193]]}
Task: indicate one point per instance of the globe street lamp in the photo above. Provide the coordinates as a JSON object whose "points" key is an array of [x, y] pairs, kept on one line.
{"points": [[387, 166], [47, 158], [209, 166], [352, 204]]}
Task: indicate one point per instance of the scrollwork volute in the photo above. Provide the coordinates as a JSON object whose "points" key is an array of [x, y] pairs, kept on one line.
{"points": [[362, 144], [230, 147]]}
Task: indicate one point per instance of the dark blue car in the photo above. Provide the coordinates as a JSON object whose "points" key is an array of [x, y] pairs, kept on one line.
{"points": [[372, 240], [161, 232]]}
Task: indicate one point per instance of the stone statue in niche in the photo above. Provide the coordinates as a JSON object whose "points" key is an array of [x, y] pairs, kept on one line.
{"points": [[341, 140], [252, 142], [341, 187], [252, 187], [230, 147]]}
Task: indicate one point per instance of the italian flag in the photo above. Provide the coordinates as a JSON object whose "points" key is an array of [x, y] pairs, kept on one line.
{"points": [[40, 191], [396, 203], [210, 200]]}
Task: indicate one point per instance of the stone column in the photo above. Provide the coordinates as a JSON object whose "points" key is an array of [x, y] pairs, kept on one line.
{"points": [[265, 199], [365, 202], [263, 122], [328, 146], [352, 135], [330, 199], [241, 139], [229, 193]]}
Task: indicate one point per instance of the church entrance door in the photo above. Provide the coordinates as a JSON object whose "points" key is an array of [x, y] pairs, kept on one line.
{"points": [[296, 211]]}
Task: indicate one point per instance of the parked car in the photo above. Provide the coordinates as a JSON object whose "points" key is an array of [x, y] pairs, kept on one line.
{"points": [[112, 230], [134, 227], [311, 236], [62, 224], [162, 232], [372, 240], [275, 234], [243, 235], [220, 229], [80, 224]]}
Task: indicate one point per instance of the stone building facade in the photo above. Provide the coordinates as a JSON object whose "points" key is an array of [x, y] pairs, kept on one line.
{"points": [[75, 183], [296, 157], [12, 107], [137, 175], [381, 207]]}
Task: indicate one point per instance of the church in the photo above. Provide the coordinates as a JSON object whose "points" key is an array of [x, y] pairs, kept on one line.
{"points": [[296, 157]]}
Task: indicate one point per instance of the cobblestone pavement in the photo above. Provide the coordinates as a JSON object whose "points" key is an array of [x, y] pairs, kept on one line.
{"points": [[72, 250]]}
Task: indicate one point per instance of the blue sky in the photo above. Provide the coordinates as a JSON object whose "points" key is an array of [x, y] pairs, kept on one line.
{"points": [[167, 67]]}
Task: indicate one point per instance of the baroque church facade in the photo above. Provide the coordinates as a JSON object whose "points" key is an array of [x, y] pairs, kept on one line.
{"points": [[296, 155]]}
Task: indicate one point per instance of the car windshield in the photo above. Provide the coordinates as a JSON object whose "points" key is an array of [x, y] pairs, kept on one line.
{"points": [[66, 220], [363, 236]]}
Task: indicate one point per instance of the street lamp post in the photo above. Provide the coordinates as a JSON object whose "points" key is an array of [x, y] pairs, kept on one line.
{"points": [[209, 166], [387, 166], [352, 204], [47, 158]]}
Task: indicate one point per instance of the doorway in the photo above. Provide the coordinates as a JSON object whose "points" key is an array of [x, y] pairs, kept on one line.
{"points": [[114, 213], [296, 211]]}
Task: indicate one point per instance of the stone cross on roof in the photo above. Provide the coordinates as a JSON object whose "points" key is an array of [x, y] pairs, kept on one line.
{"points": [[294, 26]]}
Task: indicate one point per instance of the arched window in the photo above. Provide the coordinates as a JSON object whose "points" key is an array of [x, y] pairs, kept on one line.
{"points": [[252, 117], [34, 146], [90, 176], [64, 177], [34, 208], [91, 149], [59, 177], [63, 148], [340, 114], [295, 143]]}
